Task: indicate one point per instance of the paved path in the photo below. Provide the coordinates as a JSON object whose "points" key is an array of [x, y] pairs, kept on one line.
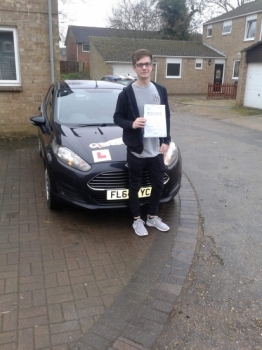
{"points": [[74, 279]]}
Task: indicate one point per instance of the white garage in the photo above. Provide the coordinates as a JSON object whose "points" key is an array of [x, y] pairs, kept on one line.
{"points": [[253, 89], [123, 69]]}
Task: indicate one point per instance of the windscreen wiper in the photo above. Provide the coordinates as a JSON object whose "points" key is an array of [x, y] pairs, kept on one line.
{"points": [[99, 125]]}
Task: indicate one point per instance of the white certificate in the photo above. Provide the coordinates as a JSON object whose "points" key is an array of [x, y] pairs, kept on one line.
{"points": [[155, 116]]}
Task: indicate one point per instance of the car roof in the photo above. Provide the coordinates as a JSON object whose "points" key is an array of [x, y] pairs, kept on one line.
{"points": [[92, 84], [120, 76]]}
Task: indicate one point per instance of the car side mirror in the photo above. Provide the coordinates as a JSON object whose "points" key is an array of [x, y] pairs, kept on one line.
{"points": [[39, 121]]}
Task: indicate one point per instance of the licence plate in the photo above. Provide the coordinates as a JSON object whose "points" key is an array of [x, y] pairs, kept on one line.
{"points": [[123, 194]]}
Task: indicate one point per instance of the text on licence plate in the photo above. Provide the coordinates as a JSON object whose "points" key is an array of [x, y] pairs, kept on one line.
{"points": [[123, 194]]}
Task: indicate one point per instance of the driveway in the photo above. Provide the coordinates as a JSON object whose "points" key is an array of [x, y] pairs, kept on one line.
{"points": [[77, 279]]}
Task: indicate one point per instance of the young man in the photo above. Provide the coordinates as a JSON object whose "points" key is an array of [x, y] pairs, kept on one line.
{"points": [[143, 152]]}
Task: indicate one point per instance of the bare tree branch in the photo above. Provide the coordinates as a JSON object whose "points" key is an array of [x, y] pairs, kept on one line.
{"points": [[135, 15], [64, 16]]}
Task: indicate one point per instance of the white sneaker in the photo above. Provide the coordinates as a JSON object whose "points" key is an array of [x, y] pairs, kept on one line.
{"points": [[139, 227], [157, 222]]}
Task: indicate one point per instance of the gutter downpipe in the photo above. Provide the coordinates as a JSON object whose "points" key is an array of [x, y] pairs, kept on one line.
{"points": [[51, 41]]}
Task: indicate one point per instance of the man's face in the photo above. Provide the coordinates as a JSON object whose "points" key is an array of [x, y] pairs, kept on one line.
{"points": [[143, 68]]}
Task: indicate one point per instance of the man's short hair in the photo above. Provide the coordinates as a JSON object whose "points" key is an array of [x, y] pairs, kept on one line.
{"points": [[137, 55]]}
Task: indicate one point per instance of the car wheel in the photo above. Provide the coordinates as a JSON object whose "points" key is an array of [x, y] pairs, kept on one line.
{"points": [[50, 199]]}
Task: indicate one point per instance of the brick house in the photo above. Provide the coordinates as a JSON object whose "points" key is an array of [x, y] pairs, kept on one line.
{"points": [[25, 68], [184, 67], [231, 33], [77, 39]]}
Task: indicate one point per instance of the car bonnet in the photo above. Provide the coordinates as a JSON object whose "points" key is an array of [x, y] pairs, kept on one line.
{"points": [[94, 144]]}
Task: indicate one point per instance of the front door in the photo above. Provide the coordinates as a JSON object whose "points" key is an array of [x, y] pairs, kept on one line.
{"points": [[218, 75]]}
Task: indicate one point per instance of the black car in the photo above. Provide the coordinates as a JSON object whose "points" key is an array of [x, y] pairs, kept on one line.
{"points": [[121, 79], [83, 152]]}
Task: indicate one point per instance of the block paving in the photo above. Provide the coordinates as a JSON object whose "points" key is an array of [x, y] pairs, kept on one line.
{"points": [[78, 279]]}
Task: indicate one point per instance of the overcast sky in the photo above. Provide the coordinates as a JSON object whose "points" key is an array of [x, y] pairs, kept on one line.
{"points": [[92, 14]]}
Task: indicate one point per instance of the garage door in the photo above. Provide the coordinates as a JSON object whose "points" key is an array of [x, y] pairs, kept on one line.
{"points": [[124, 69], [253, 90]]}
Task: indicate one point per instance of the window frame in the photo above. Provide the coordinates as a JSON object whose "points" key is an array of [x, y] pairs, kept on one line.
{"points": [[227, 24], [17, 81], [249, 19], [83, 48], [174, 61], [199, 60], [260, 36], [234, 63], [208, 28]]}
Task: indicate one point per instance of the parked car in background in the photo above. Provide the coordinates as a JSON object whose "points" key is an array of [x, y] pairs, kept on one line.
{"points": [[121, 79], [83, 152]]}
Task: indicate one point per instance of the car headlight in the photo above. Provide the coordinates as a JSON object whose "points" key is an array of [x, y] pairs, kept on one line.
{"points": [[70, 158], [171, 154]]}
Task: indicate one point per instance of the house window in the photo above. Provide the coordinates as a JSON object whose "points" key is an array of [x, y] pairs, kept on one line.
{"points": [[9, 68], [260, 38], [199, 63], [236, 69], [250, 31], [173, 68], [227, 26], [209, 31], [85, 48]]}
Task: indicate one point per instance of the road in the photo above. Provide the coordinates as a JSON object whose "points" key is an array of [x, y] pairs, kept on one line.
{"points": [[220, 306]]}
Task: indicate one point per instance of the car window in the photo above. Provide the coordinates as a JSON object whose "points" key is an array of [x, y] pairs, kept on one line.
{"points": [[49, 104], [82, 106]]}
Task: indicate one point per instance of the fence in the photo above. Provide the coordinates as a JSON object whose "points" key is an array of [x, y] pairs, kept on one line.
{"points": [[73, 67], [222, 91]]}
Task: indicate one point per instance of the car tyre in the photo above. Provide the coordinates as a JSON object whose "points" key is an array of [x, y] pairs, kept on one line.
{"points": [[50, 199]]}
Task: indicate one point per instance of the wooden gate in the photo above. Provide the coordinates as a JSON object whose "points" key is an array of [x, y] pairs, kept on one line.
{"points": [[222, 91], [73, 67]]}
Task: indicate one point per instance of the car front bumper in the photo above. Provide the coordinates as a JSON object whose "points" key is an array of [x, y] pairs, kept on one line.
{"points": [[89, 189]]}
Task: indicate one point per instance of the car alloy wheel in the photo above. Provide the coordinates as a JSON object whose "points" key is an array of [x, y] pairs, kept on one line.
{"points": [[50, 199]]}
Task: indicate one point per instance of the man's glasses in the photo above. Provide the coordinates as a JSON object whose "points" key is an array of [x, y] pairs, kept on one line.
{"points": [[141, 65]]}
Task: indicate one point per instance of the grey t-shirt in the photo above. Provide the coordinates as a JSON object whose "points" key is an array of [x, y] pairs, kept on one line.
{"points": [[147, 95]]}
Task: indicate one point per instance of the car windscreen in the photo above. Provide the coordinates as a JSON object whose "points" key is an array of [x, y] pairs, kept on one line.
{"points": [[125, 81], [86, 106]]}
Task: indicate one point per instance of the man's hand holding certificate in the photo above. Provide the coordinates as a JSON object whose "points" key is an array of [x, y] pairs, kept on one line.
{"points": [[155, 116]]}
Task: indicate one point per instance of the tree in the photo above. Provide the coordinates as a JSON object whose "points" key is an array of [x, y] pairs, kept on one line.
{"points": [[135, 15], [64, 16], [204, 10], [225, 5], [175, 19]]}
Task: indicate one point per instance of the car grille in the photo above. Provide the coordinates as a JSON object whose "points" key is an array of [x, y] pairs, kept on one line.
{"points": [[117, 179]]}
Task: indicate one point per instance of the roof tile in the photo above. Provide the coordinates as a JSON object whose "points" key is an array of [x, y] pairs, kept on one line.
{"points": [[245, 9], [120, 49], [82, 34]]}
